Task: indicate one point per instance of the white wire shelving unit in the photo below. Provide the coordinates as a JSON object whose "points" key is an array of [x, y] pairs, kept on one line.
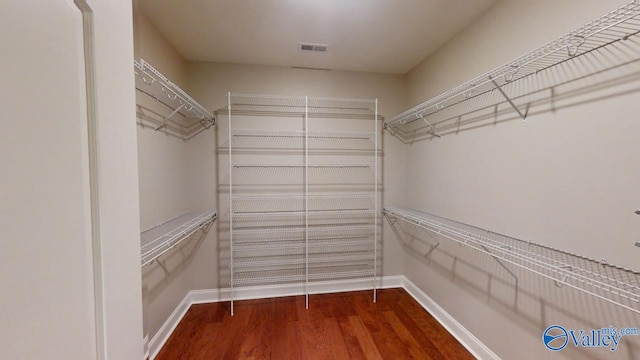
{"points": [[577, 59], [158, 240], [607, 282], [152, 83], [303, 190]]}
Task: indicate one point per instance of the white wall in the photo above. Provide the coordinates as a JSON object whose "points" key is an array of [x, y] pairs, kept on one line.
{"points": [[566, 180], [151, 46], [45, 256], [164, 179], [46, 264], [210, 82]]}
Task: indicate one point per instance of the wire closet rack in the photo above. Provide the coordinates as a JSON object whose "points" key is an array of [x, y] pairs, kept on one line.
{"points": [[158, 240], [581, 58], [152, 83], [614, 284], [303, 196]]}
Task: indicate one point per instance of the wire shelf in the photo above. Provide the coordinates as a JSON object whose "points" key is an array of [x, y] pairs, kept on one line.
{"points": [[269, 262], [297, 247], [162, 238], [268, 277], [292, 218], [604, 281], [296, 202], [607, 43], [343, 272], [294, 174], [294, 140], [151, 82], [299, 105], [315, 232], [298, 276]]}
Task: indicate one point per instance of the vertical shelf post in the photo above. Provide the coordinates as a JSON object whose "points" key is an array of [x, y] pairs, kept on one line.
{"points": [[230, 201], [375, 214], [306, 197]]}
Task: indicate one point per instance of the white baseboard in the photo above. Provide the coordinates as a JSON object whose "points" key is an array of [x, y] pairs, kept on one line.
{"points": [[161, 337], [265, 292], [145, 346], [470, 342], [464, 336]]}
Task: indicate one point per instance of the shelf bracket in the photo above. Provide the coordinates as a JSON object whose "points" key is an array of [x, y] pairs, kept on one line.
{"points": [[433, 247], [433, 129], [164, 122], [157, 260], [564, 278], [207, 123], [499, 261], [496, 258], [523, 116]]}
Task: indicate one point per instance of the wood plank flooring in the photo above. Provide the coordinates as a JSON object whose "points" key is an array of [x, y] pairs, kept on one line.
{"points": [[336, 326]]}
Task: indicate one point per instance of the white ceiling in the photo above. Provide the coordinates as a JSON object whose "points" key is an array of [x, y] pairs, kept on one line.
{"points": [[385, 36]]}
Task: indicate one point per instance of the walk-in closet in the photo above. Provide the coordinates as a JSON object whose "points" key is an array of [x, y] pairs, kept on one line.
{"points": [[338, 179]]}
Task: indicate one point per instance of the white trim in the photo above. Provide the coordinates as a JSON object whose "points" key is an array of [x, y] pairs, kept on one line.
{"points": [[265, 292], [466, 338], [145, 346], [161, 337]]}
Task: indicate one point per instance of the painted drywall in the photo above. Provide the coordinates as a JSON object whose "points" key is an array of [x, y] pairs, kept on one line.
{"points": [[151, 46], [163, 180], [567, 179], [210, 82], [47, 263], [45, 256], [118, 178]]}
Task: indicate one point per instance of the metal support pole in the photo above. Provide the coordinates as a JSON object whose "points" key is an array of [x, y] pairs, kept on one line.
{"points": [[230, 202], [306, 197]]}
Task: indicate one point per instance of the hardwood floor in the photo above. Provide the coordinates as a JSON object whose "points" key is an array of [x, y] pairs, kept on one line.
{"points": [[336, 326]]}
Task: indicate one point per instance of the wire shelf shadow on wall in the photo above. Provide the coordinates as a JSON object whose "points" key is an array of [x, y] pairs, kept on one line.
{"points": [[534, 300], [604, 281], [595, 58]]}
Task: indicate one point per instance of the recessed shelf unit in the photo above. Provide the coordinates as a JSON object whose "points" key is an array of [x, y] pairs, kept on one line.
{"points": [[598, 52], [303, 190], [604, 281], [152, 83], [158, 240]]}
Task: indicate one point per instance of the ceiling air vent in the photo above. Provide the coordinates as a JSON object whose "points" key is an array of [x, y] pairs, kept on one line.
{"points": [[314, 47]]}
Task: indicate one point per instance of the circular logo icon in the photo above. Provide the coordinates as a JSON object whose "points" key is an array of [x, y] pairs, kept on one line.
{"points": [[555, 338]]}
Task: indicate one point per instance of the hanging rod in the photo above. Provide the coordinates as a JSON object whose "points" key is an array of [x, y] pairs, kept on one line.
{"points": [[611, 283], [480, 93], [151, 82]]}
